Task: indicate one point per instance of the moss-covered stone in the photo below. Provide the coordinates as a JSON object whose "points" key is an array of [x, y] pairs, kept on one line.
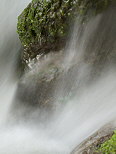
{"points": [[109, 147], [98, 142], [43, 25]]}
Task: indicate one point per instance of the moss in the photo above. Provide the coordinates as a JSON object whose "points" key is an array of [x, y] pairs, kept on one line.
{"points": [[42, 21], [46, 22], [109, 147]]}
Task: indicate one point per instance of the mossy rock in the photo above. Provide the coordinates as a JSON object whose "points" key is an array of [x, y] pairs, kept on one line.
{"points": [[44, 24], [101, 142], [109, 147]]}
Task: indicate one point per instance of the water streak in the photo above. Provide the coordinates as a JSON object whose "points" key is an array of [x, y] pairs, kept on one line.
{"points": [[91, 100]]}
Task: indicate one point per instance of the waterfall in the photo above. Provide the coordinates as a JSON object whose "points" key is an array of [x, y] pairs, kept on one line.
{"points": [[9, 51], [90, 88]]}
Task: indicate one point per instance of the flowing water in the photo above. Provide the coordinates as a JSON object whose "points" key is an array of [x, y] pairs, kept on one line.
{"points": [[91, 98]]}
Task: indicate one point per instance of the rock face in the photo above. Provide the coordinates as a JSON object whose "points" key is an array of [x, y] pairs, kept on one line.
{"points": [[43, 26], [41, 87], [38, 89]]}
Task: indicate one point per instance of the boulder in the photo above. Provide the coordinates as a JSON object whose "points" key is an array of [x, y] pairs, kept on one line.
{"points": [[44, 25]]}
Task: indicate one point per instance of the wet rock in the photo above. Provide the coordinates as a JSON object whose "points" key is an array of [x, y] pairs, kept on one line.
{"points": [[91, 144], [44, 26]]}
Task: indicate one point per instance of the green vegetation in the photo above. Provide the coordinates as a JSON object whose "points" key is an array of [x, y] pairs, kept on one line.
{"points": [[109, 147], [45, 23]]}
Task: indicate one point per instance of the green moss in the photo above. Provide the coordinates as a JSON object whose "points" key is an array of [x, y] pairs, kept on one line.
{"points": [[43, 21], [109, 147], [46, 22]]}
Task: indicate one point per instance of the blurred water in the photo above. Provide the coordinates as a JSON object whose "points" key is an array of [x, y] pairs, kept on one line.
{"points": [[9, 52], [90, 107]]}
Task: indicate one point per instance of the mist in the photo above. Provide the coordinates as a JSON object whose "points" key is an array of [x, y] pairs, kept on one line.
{"points": [[88, 92]]}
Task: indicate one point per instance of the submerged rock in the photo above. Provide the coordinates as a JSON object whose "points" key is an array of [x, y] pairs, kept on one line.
{"points": [[45, 87]]}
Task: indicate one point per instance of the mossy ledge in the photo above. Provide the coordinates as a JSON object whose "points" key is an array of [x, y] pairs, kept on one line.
{"points": [[43, 26]]}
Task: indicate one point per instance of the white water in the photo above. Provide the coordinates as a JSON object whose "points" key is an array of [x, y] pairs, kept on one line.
{"points": [[84, 114], [9, 46]]}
